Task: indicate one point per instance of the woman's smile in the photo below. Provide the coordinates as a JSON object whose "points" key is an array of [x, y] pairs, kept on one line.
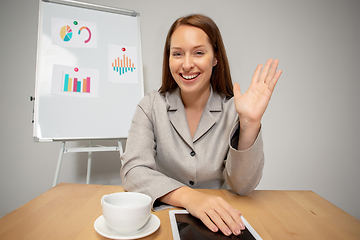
{"points": [[189, 76]]}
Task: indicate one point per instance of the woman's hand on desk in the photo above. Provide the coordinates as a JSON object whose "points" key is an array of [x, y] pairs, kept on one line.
{"points": [[215, 213], [212, 210]]}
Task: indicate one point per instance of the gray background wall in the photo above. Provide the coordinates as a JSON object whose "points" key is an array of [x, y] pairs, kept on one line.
{"points": [[311, 128]]}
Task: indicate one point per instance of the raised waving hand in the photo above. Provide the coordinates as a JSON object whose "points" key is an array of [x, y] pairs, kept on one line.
{"points": [[252, 104]]}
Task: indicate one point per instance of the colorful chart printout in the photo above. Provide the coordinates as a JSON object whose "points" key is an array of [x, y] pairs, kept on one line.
{"points": [[74, 81], [73, 33], [123, 64]]}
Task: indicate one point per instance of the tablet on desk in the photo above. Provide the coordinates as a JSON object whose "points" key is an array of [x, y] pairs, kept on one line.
{"points": [[187, 227]]}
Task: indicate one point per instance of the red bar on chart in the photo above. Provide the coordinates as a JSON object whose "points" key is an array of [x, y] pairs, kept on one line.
{"points": [[87, 84], [75, 85]]}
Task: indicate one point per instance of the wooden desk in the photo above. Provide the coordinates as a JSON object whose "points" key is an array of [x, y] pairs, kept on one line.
{"points": [[68, 211]]}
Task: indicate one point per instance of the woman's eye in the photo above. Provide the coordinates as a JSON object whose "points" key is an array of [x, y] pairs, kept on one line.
{"points": [[176, 54], [199, 53]]}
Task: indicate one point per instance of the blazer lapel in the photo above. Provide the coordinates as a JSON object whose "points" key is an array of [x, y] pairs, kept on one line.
{"points": [[209, 116], [177, 116]]}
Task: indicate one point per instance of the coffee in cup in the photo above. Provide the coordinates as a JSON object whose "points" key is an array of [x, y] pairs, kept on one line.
{"points": [[126, 212]]}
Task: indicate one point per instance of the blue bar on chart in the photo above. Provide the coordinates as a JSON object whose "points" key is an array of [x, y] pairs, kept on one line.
{"points": [[66, 82]]}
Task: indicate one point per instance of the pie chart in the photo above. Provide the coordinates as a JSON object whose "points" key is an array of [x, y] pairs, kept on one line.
{"points": [[66, 33]]}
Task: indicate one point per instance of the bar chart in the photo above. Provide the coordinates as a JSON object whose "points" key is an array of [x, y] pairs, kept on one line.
{"points": [[123, 65], [74, 84]]}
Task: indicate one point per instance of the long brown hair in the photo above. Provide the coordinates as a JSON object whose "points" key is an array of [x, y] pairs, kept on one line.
{"points": [[220, 77]]}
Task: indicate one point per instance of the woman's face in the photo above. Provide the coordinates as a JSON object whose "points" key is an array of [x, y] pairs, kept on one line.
{"points": [[191, 59]]}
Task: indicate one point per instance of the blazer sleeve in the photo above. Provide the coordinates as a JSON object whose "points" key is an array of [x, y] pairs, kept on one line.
{"points": [[138, 171], [243, 169]]}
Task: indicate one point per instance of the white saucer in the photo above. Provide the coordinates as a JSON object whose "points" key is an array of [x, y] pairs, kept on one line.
{"points": [[104, 230]]}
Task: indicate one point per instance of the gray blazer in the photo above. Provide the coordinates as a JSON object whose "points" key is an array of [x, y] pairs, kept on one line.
{"points": [[161, 156]]}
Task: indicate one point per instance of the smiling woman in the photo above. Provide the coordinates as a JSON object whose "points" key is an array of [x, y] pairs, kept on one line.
{"points": [[179, 138], [221, 73], [191, 62]]}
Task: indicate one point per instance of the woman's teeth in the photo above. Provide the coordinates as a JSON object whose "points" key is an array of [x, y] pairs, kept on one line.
{"points": [[189, 77]]}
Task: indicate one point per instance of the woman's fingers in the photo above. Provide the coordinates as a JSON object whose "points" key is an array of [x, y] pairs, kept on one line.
{"points": [[237, 218], [216, 221], [265, 71], [226, 218], [272, 71], [256, 75], [232, 218], [273, 82], [237, 90], [232, 224], [208, 222], [267, 74], [219, 222]]}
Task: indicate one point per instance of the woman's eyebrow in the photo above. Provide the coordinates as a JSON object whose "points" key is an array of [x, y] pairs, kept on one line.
{"points": [[198, 46]]}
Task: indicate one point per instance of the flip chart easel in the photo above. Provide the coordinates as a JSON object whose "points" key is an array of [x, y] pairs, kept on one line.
{"points": [[89, 75]]}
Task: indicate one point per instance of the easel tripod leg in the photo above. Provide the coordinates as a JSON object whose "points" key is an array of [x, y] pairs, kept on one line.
{"points": [[121, 151], [88, 168], [59, 164]]}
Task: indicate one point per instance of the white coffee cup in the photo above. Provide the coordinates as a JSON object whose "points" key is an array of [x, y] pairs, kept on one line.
{"points": [[126, 212]]}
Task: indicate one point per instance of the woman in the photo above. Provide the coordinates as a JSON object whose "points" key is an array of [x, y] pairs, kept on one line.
{"points": [[195, 132]]}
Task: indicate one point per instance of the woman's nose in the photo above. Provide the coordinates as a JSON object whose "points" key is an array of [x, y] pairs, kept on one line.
{"points": [[188, 63]]}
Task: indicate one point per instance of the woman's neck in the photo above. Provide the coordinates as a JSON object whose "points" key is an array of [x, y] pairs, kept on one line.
{"points": [[195, 101], [194, 105]]}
